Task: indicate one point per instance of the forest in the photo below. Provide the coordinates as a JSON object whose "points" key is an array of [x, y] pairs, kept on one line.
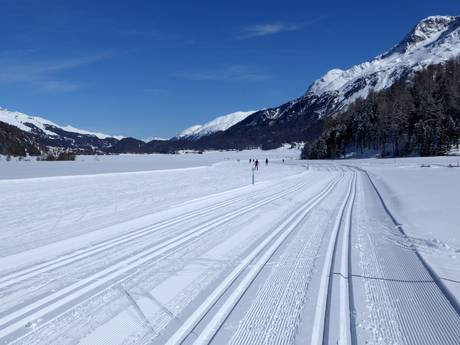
{"points": [[418, 116]]}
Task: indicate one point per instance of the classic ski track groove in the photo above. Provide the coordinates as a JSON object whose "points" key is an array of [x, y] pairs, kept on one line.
{"points": [[321, 309], [17, 319], [80, 254], [345, 326], [262, 253]]}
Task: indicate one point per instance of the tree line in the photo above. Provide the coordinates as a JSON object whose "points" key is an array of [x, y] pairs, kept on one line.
{"points": [[416, 116]]}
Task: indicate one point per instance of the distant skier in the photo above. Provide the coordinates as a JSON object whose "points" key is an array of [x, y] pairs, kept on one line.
{"points": [[266, 161], [256, 164], [283, 160]]}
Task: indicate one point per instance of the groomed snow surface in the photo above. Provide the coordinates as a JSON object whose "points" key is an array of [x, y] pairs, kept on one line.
{"points": [[183, 249]]}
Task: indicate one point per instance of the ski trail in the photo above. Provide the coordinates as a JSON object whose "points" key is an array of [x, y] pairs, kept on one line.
{"points": [[64, 260], [264, 251], [120, 271], [275, 311]]}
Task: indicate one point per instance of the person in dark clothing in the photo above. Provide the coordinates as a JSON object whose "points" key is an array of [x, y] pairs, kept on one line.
{"points": [[266, 161], [256, 164]]}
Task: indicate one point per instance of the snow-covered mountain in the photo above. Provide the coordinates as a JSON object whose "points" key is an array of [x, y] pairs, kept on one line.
{"points": [[32, 124], [433, 40], [220, 123], [36, 134]]}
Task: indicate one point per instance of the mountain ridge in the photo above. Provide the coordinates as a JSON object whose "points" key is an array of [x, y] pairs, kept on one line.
{"points": [[220, 123], [28, 122]]}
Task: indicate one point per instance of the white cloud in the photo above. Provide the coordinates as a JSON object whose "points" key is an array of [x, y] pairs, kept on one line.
{"points": [[42, 73], [259, 30]]}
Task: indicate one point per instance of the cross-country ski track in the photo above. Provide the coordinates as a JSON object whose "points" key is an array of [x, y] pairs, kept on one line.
{"points": [[315, 257]]}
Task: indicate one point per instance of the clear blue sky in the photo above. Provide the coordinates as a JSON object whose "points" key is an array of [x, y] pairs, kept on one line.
{"points": [[152, 68]]}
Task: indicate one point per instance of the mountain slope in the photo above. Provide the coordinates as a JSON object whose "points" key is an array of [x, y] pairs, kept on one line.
{"points": [[16, 142], [416, 118], [29, 123], [47, 134], [220, 123], [434, 40]]}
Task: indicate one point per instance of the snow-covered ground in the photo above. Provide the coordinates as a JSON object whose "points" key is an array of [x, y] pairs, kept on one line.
{"points": [[87, 165], [425, 200], [184, 249]]}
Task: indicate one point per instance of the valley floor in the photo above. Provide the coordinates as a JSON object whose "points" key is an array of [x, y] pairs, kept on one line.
{"points": [[339, 252]]}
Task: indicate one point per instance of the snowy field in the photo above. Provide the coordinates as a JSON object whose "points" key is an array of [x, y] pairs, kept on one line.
{"points": [[86, 165], [182, 249]]}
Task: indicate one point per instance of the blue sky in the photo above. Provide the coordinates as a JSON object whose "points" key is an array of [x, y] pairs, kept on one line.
{"points": [[152, 68]]}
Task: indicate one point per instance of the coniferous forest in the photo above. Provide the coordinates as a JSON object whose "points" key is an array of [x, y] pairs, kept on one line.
{"points": [[416, 116]]}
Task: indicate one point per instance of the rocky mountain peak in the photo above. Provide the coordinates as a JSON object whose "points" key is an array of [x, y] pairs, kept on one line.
{"points": [[425, 32]]}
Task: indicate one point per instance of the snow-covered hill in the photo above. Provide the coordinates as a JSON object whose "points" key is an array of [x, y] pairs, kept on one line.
{"points": [[30, 124], [35, 134], [220, 123]]}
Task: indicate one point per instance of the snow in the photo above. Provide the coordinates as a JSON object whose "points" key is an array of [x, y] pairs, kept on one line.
{"points": [[127, 163], [425, 202], [147, 140], [220, 123], [20, 120], [72, 129]]}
